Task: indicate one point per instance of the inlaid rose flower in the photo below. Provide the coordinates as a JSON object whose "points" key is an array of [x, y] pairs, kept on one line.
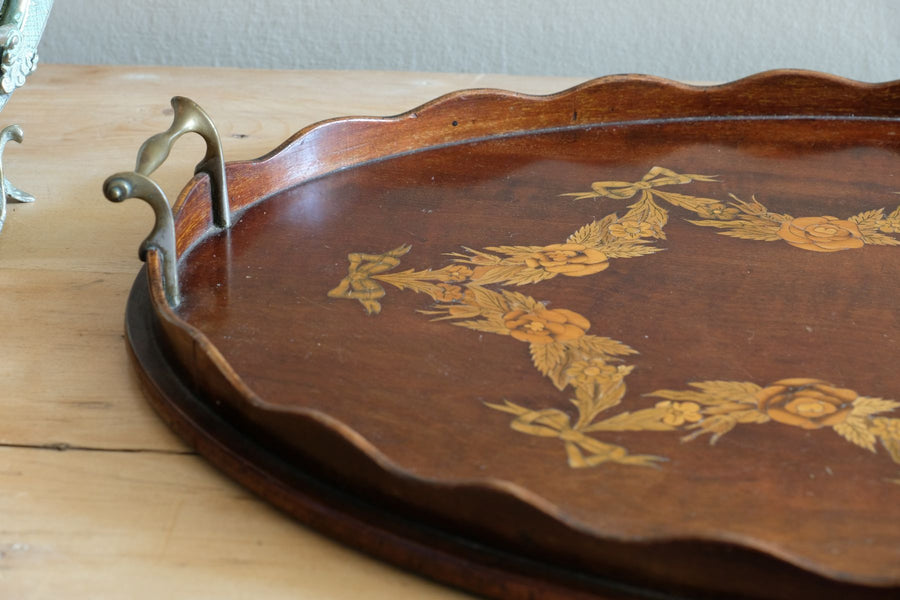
{"points": [[806, 403], [821, 234], [574, 260], [545, 326]]}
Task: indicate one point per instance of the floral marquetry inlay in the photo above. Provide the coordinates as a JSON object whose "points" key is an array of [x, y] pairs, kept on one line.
{"points": [[590, 369]]}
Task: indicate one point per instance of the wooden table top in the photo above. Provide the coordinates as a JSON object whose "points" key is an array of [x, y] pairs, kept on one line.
{"points": [[98, 499]]}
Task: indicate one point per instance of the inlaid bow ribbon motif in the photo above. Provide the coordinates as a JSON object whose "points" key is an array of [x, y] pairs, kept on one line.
{"points": [[622, 190], [581, 450], [359, 283]]}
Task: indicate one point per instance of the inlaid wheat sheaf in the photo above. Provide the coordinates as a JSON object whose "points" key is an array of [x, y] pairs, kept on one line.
{"points": [[592, 369]]}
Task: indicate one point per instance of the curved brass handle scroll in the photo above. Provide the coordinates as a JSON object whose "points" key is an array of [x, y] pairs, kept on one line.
{"points": [[129, 184], [189, 117]]}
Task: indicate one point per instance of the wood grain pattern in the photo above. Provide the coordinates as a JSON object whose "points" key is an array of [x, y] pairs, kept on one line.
{"points": [[98, 498], [258, 335]]}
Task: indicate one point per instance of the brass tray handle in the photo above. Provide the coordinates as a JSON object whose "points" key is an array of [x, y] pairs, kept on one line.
{"points": [[189, 117]]}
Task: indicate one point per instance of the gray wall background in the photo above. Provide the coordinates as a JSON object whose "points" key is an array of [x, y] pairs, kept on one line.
{"points": [[698, 40]]}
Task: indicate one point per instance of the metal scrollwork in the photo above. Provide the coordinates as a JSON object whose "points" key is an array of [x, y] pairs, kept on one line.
{"points": [[21, 26], [18, 62]]}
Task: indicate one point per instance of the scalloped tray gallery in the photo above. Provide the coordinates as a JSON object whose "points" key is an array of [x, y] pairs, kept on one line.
{"points": [[635, 339]]}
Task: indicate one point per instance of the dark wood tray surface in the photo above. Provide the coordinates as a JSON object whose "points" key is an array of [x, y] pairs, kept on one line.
{"points": [[521, 323]]}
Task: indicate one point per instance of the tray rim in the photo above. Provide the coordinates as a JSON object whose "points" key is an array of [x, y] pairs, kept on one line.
{"points": [[852, 100]]}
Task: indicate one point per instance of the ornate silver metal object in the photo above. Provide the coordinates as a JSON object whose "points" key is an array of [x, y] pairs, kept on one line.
{"points": [[189, 117], [21, 26]]}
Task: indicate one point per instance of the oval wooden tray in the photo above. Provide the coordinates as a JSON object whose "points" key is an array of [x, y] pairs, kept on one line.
{"points": [[635, 339]]}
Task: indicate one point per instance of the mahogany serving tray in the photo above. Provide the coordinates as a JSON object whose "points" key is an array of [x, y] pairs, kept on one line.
{"points": [[635, 339]]}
